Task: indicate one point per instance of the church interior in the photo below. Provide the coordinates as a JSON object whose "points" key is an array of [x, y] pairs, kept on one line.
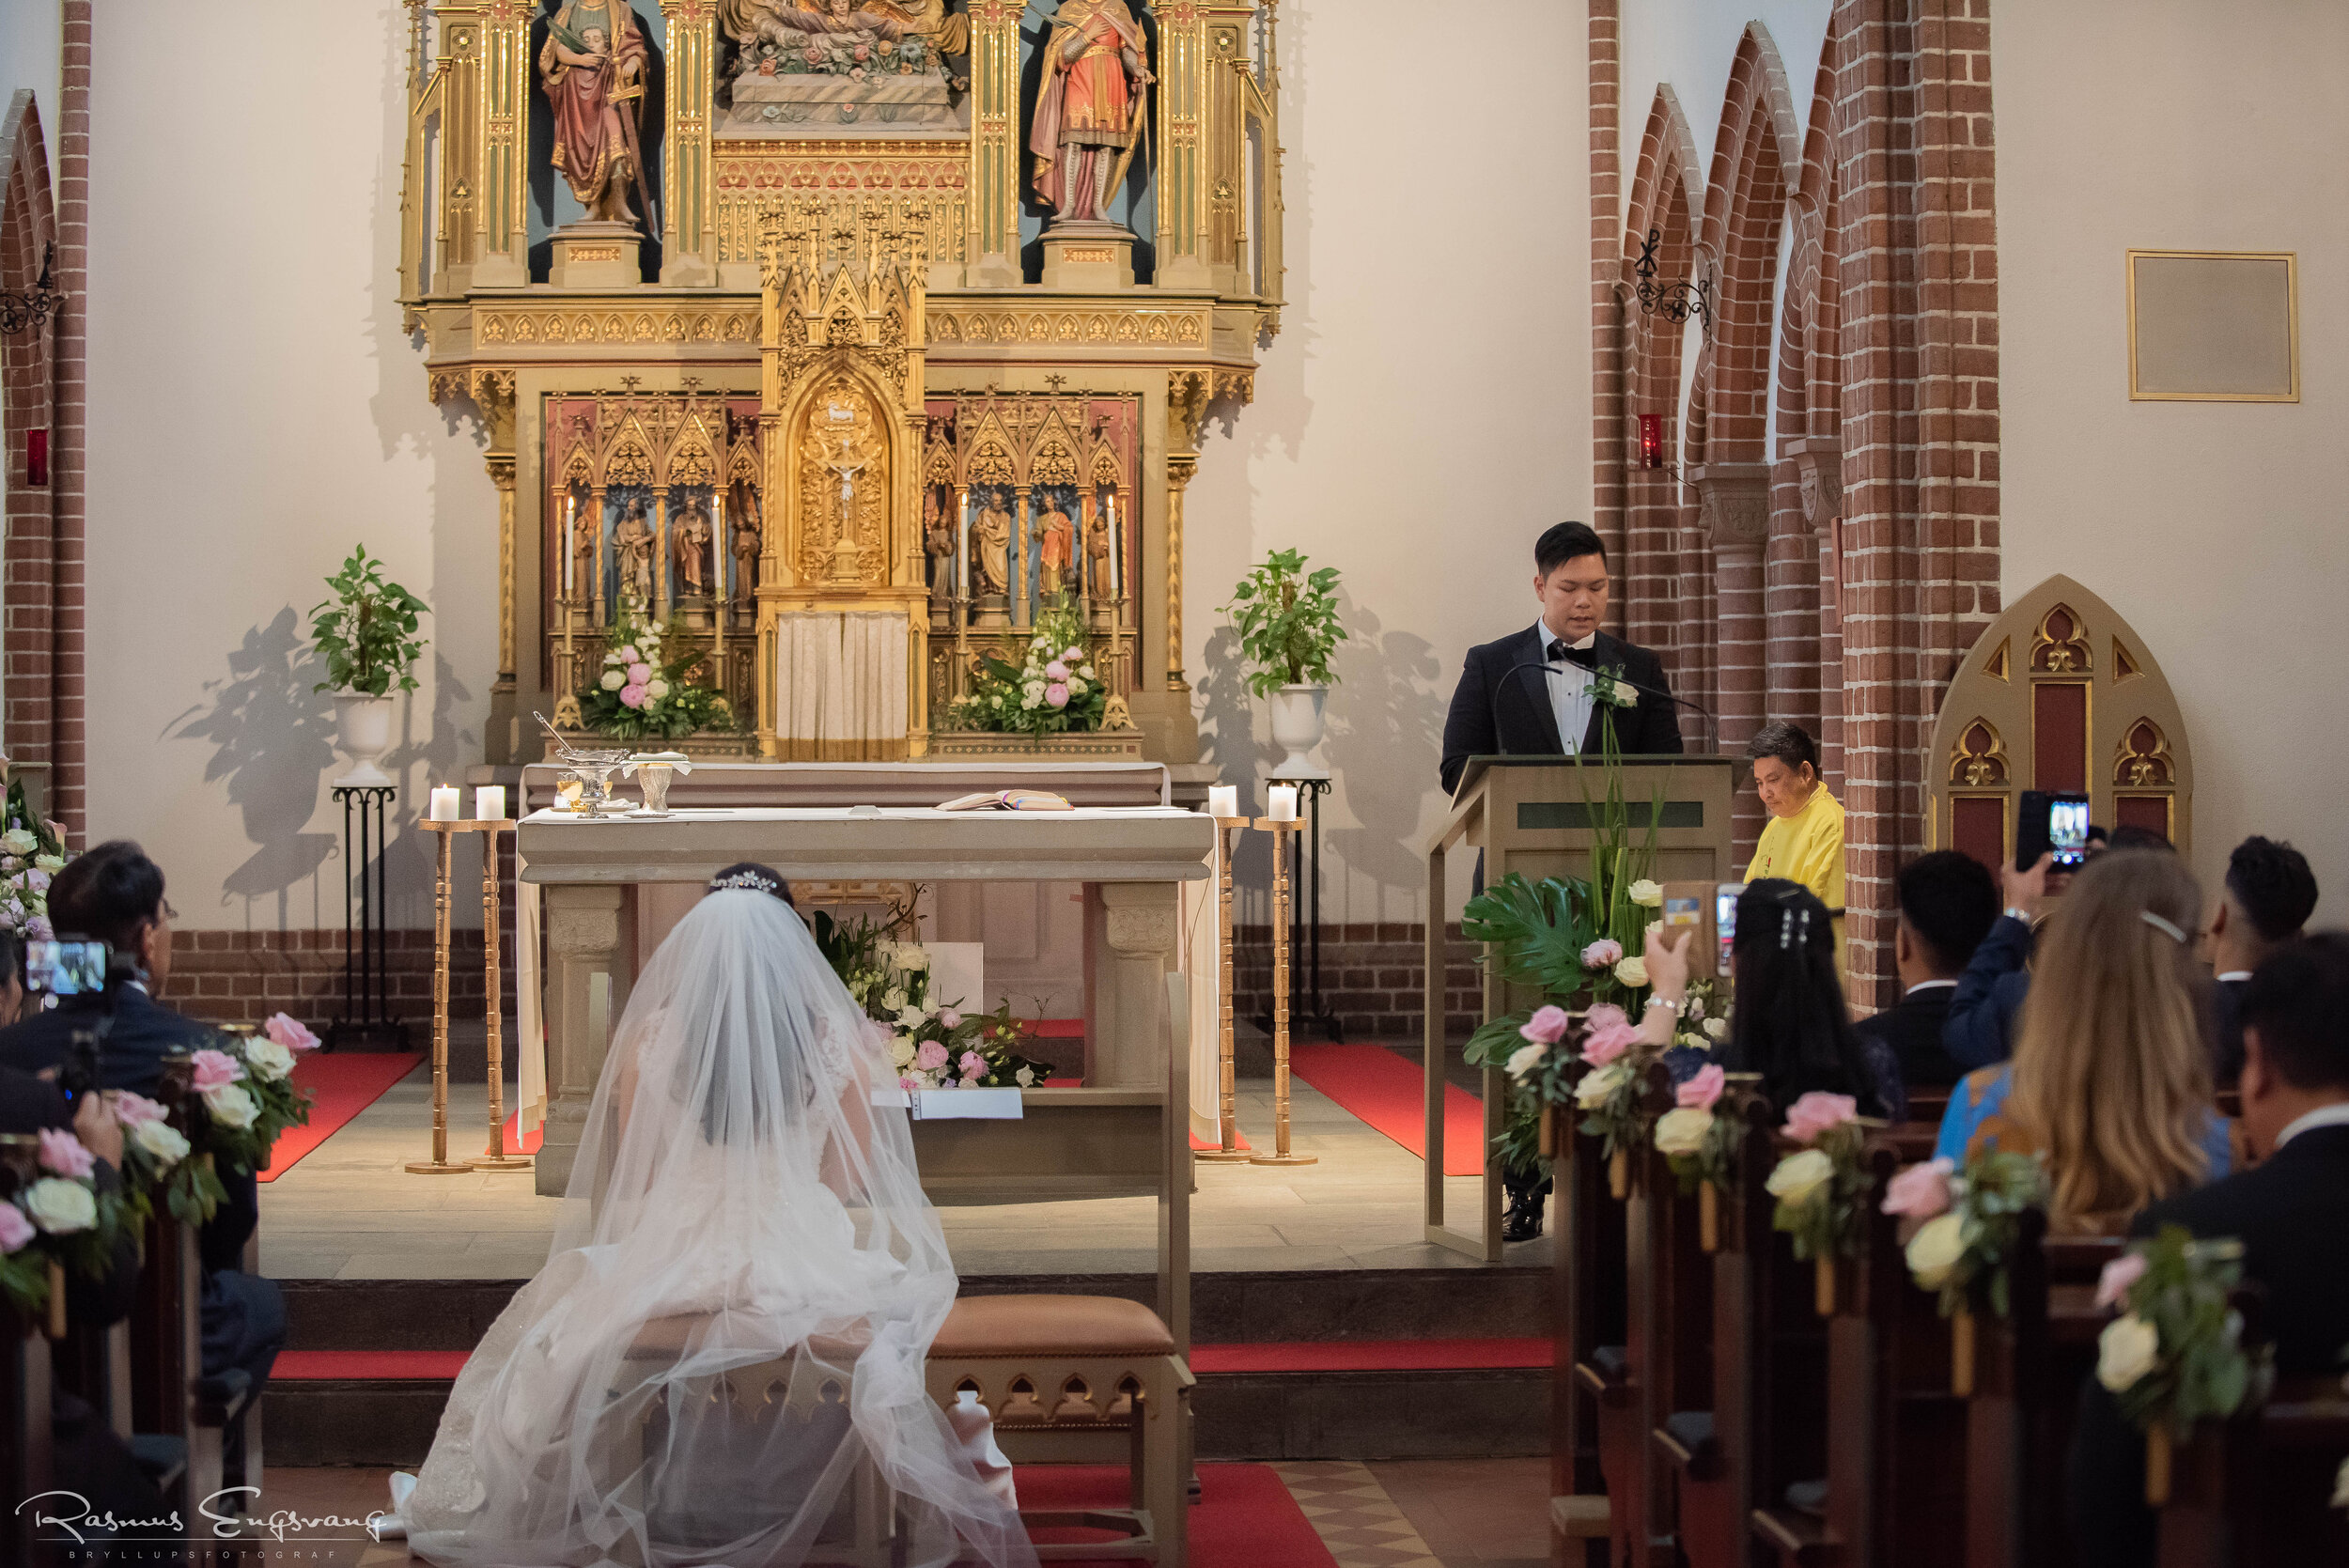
{"points": [[965, 468]]}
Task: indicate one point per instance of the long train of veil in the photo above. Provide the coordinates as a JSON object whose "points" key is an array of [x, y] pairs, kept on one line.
{"points": [[733, 1317]]}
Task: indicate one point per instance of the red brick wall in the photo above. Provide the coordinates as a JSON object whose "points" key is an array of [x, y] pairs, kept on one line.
{"points": [[1609, 439], [244, 976], [1370, 976], [27, 603], [68, 441]]}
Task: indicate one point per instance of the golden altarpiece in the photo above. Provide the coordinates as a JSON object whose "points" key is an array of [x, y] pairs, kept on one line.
{"points": [[842, 338]]}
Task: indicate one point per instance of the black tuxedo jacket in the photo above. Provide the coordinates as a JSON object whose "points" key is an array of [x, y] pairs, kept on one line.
{"points": [[144, 1032], [1494, 711], [2285, 1211], [1912, 1030], [2227, 1005]]}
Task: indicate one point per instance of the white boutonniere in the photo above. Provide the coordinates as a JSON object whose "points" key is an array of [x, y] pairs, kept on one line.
{"points": [[1609, 686]]}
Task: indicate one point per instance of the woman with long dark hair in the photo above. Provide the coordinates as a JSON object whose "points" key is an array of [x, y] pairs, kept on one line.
{"points": [[1791, 1023]]}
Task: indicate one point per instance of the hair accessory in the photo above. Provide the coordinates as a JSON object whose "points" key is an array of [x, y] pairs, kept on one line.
{"points": [[750, 879], [2165, 927]]}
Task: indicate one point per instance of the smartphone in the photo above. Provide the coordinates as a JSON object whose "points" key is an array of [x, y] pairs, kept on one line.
{"points": [[2047, 822], [1725, 898], [65, 968]]}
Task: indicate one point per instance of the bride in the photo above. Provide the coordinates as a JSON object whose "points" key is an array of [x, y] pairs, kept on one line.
{"points": [[732, 1323]]}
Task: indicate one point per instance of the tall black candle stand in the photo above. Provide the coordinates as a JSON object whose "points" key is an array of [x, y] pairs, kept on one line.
{"points": [[366, 1022]]}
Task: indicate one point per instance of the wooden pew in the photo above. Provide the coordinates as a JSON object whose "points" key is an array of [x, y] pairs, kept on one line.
{"points": [[182, 1417], [1670, 1330], [24, 1434], [2256, 1492], [1590, 1308]]}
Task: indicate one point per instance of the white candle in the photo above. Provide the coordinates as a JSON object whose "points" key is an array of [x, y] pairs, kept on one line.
{"points": [[445, 807], [1222, 800], [1281, 802], [570, 523], [489, 803]]}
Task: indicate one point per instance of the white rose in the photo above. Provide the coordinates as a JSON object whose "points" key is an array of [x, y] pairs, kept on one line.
{"points": [[1627, 694], [19, 841], [1076, 685], [161, 1142], [659, 626], [1036, 701], [230, 1106], [613, 680], [1801, 1178], [614, 657], [893, 1000], [913, 960], [1633, 972], [901, 1051], [60, 1207], [1525, 1059], [1025, 1077], [48, 862], [268, 1059], [1681, 1131], [2127, 1349], [1595, 1086], [1085, 670], [1935, 1248], [912, 1017], [1645, 892], [655, 688], [1718, 1028]]}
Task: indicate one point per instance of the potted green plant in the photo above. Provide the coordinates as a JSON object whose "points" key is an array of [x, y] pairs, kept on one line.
{"points": [[1287, 621], [367, 634]]}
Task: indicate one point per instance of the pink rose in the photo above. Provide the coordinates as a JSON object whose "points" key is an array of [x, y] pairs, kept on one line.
{"points": [[815, 56], [627, 654], [290, 1032], [15, 1230], [1604, 1016], [631, 696], [1817, 1113], [951, 1018], [62, 1154], [135, 1111], [1604, 953], [972, 1064], [1921, 1191], [1547, 1027], [1056, 694], [1056, 671], [909, 1083], [931, 1056], [863, 52], [2112, 1286], [215, 1069], [1699, 1092], [1074, 656], [639, 672], [1603, 1045]]}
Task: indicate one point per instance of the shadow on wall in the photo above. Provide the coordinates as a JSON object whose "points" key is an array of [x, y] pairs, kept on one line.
{"points": [[1385, 739], [438, 758], [1227, 738], [271, 736]]}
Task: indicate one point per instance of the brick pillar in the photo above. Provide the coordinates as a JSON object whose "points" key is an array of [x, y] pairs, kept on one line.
{"points": [[1734, 512], [1608, 436], [1819, 503], [69, 443]]}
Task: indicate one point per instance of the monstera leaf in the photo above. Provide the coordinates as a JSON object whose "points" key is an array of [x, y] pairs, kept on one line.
{"points": [[1536, 930]]}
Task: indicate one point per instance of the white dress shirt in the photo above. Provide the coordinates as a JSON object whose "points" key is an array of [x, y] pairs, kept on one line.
{"points": [[2334, 1115], [1570, 693]]}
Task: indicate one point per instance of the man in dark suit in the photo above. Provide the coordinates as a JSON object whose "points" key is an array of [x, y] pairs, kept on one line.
{"points": [[1948, 903], [2268, 895], [114, 894], [2287, 1211], [1537, 692]]}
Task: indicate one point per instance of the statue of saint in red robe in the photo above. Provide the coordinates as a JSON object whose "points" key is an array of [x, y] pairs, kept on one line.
{"points": [[1089, 115], [596, 90]]}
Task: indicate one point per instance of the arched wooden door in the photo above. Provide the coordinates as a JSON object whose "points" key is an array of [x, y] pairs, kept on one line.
{"points": [[2060, 693]]}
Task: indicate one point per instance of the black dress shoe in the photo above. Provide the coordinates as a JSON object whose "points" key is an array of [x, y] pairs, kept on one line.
{"points": [[1522, 1221]]}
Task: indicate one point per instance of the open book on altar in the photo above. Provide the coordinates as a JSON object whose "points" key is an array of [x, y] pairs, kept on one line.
{"points": [[1007, 799]]}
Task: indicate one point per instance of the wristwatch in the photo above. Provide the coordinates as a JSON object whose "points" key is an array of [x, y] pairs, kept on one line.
{"points": [[2015, 911]]}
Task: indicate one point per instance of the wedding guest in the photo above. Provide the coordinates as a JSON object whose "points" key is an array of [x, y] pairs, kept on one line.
{"points": [[1803, 840], [2268, 895], [114, 894], [1790, 1024], [2110, 1078], [1947, 902], [1980, 1028], [2296, 1117]]}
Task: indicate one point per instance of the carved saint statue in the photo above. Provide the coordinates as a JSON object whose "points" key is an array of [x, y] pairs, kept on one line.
{"points": [[1089, 115], [991, 542], [1097, 555], [937, 540], [746, 544], [593, 66], [632, 543], [1052, 557], [693, 550]]}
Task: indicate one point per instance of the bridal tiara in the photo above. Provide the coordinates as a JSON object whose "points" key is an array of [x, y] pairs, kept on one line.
{"points": [[750, 879]]}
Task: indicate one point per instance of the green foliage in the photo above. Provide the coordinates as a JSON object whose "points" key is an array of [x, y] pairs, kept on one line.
{"points": [[1287, 621], [1991, 1196], [2201, 1373], [1535, 932], [1007, 699], [1715, 1159], [1827, 1224], [368, 631]]}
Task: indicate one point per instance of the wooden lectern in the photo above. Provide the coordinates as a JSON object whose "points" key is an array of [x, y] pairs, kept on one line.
{"points": [[1533, 814]]}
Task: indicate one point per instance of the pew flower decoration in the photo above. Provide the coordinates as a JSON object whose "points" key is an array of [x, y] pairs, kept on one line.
{"points": [[53, 1212], [1820, 1187], [1611, 1092], [32, 850], [239, 1096], [2174, 1357], [1968, 1223], [1696, 1141]]}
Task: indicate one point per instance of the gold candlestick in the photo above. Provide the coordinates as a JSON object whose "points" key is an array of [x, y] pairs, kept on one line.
{"points": [[1226, 829], [496, 1157], [1279, 828], [440, 1164]]}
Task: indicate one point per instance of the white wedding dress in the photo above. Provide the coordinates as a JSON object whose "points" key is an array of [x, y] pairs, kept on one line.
{"points": [[734, 1317]]}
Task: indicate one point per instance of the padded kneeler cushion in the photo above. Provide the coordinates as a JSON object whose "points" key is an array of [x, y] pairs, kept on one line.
{"points": [[983, 1328]]}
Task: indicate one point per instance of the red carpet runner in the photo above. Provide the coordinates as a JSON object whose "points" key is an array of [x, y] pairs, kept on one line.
{"points": [[342, 1085], [1385, 1093], [1245, 1517]]}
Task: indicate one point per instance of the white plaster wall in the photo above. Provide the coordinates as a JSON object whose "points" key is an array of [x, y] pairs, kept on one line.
{"points": [[2214, 528], [1424, 412], [255, 411]]}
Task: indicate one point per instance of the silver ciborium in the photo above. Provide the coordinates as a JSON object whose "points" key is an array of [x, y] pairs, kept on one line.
{"points": [[592, 771]]}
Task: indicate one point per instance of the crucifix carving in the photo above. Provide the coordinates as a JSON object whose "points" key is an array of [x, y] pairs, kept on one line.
{"points": [[844, 557]]}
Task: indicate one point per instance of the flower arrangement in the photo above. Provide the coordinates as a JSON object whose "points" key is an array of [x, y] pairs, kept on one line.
{"points": [[855, 55], [1821, 1185], [368, 631], [932, 1043], [638, 694], [1287, 621], [2175, 1355], [55, 1216], [32, 851], [244, 1087], [1969, 1223], [1055, 691]]}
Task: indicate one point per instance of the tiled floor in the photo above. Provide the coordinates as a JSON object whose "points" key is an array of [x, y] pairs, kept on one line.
{"points": [[349, 1211], [1418, 1514]]}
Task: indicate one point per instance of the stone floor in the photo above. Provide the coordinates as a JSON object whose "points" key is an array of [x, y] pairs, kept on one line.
{"points": [[350, 1211]]}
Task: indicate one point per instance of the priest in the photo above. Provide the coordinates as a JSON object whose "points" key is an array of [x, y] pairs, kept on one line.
{"points": [[1554, 687]]}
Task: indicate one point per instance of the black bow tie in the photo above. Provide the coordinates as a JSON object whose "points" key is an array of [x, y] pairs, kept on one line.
{"points": [[1583, 657]]}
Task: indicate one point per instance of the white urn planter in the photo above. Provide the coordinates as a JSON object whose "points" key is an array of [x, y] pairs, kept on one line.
{"points": [[1296, 726], [364, 726]]}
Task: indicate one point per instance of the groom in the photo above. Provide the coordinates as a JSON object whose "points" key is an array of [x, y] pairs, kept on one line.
{"points": [[1526, 693]]}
